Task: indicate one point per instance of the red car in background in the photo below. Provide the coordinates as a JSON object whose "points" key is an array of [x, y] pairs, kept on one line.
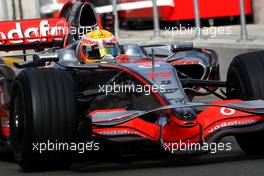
{"points": [[51, 8], [169, 10], [184, 10]]}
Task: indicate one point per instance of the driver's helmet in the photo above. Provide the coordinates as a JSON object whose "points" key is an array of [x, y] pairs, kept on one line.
{"points": [[95, 45]]}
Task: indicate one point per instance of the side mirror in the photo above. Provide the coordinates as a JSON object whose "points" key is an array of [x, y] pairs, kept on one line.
{"points": [[108, 21], [181, 47]]}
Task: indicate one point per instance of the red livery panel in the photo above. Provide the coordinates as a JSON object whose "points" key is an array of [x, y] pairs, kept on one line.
{"points": [[30, 31], [184, 10]]}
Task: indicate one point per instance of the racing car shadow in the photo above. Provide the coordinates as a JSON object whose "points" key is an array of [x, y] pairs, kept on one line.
{"points": [[151, 160], [7, 157], [161, 161]]}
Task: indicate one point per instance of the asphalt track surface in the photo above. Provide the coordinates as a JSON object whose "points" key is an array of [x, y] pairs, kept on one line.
{"points": [[232, 163]]}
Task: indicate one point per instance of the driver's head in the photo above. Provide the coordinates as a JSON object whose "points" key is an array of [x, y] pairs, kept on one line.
{"points": [[97, 44]]}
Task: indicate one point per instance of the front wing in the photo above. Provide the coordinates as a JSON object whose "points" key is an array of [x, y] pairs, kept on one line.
{"points": [[215, 121]]}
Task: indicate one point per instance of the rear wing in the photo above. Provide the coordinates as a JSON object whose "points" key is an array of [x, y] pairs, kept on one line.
{"points": [[36, 34]]}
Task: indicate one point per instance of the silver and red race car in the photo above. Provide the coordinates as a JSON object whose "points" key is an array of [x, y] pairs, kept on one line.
{"points": [[51, 105]]}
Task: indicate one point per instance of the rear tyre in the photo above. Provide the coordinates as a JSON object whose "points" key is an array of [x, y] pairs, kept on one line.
{"points": [[245, 79], [43, 110]]}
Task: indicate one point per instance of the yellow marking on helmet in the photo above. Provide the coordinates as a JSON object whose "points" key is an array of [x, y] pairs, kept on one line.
{"points": [[99, 34]]}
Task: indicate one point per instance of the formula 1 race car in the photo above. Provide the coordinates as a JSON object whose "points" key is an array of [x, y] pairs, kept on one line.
{"points": [[65, 104], [51, 106]]}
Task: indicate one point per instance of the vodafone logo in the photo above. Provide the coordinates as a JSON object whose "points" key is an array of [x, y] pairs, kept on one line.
{"points": [[227, 111], [232, 124], [27, 31]]}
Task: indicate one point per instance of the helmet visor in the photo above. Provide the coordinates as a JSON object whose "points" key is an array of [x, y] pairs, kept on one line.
{"points": [[99, 51]]}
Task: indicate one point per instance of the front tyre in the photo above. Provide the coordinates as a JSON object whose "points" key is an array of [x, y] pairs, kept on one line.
{"points": [[42, 110], [245, 80]]}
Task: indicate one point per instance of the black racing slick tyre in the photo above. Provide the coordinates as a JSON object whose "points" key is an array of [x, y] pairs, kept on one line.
{"points": [[245, 80], [42, 116]]}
